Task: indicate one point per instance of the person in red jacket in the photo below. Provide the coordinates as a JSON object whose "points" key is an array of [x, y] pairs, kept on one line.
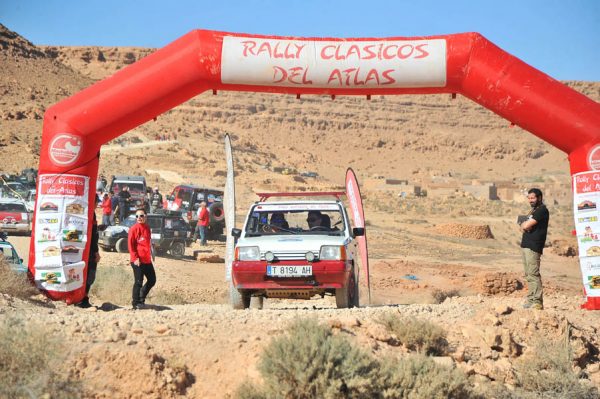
{"points": [[203, 221], [106, 210], [140, 255]]}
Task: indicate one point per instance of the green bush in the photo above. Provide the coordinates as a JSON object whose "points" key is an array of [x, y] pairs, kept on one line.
{"points": [[30, 360], [309, 361], [113, 284], [15, 284], [420, 335]]}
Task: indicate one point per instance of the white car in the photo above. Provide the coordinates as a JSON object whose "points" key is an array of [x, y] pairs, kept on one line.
{"points": [[296, 249]]}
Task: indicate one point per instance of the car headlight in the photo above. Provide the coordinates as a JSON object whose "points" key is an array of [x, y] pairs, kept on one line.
{"points": [[247, 253], [332, 252]]}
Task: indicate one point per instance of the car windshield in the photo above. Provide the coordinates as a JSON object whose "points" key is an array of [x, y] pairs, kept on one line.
{"points": [[135, 189], [129, 221], [12, 207], [9, 253], [295, 219]]}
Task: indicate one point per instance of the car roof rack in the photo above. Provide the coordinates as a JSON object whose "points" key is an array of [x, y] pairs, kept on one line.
{"points": [[337, 194]]}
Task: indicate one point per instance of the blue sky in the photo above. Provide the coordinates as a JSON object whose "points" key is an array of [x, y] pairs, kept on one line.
{"points": [[561, 38]]}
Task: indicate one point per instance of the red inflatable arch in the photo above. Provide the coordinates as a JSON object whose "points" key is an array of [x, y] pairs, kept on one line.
{"points": [[467, 63]]}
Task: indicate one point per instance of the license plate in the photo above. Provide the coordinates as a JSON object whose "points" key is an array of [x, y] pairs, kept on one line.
{"points": [[289, 271]]}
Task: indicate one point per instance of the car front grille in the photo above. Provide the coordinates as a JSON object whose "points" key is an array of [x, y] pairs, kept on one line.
{"points": [[289, 255]]}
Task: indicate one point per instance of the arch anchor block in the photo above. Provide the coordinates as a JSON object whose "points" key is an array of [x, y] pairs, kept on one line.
{"points": [[467, 63]]}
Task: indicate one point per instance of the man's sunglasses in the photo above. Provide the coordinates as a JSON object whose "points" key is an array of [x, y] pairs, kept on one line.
{"points": [[140, 216]]}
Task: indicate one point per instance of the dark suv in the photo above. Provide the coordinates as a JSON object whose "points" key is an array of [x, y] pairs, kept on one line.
{"points": [[170, 233]]}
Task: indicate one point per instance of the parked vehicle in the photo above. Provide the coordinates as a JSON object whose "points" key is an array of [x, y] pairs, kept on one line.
{"points": [[10, 254], [30, 200], [187, 198], [14, 216], [137, 189], [170, 233], [296, 249]]}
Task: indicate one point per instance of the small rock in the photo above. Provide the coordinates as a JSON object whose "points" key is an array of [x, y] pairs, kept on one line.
{"points": [[131, 342], [161, 328], [503, 309], [593, 368], [137, 331]]}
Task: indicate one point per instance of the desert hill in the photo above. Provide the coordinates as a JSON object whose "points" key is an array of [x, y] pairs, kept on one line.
{"points": [[450, 259]]}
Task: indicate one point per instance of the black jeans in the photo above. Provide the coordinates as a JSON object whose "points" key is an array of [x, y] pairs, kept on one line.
{"points": [[139, 292], [90, 276]]}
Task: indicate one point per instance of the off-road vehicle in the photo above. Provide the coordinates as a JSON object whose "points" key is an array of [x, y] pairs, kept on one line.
{"points": [[137, 189], [296, 249], [187, 198], [170, 233]]}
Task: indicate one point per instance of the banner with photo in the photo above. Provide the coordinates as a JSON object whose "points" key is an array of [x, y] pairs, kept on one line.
{"points": [[61, 231], [586, 189]]}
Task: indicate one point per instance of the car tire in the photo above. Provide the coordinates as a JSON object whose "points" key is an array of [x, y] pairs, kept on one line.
{"points": [[121, 245], [177, 249], [216, 213], [239, 300], [345, 297], [257, 302]]}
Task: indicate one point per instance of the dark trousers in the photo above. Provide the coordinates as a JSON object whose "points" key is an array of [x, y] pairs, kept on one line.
{"points": [[90, 276], [123, 212], [139, 292]]}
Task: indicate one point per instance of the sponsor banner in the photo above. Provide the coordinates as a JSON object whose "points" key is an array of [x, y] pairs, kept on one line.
{"points": [[63, 185], [229, 208], [358, 216], [333, 64], [586, 192], [590, 270], [61, 231]]}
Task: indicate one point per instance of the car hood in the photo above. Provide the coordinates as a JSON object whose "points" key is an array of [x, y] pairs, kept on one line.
{"points": [[116, 229], [285, 243]]}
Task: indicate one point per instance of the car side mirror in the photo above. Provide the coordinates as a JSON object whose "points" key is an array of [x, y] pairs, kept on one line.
{"points": [[236, 233], [21, 260], [358, 231]]}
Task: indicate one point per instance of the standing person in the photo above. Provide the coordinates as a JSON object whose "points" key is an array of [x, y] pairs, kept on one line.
{"points": [[124, 200], [114, 205], [106, 210], [140, 255], [535, 229], [93, 259], [202, 225], [156, 200]]}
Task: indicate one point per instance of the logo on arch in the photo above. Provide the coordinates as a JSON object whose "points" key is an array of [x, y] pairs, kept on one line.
{"points": [[65, 149], [594, 158]]}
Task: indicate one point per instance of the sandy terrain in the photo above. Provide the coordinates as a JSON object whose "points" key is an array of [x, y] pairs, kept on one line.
{"points": [[417, 245]]}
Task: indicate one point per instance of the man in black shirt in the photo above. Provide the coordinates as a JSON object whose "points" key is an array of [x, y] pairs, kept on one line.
{"points": [[535, 229]]}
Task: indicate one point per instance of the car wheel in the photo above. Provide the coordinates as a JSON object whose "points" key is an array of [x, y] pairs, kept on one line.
{"points": [[345, 296], [238, 299], [257, 302], [177, 249], [121, 245]]}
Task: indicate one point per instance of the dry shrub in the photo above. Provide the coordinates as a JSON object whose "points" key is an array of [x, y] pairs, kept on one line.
{"points": [[419, 377], [546, 371], [420, 335], [167, 298], [15, 284], [439, 296], [113, 284], [311, 362], [30, 360]]}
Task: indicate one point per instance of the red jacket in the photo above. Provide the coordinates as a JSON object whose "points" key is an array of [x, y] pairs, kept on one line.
{"points": [[203, 218], [140, 243], [106, 206]]}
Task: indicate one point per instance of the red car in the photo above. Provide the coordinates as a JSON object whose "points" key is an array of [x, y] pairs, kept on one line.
{"points": [[14, 217], [296, 250]]}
